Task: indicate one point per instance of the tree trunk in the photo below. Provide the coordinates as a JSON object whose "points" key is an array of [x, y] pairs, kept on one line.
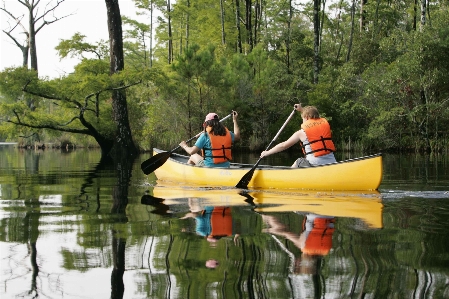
{"points": [[239, 33], [257, 16], [316, 39], [187, 25], [249, 24], [289, 36], [415, 14], [423, 12], [222, 16], [32, 39], [363, 15], [170, 34], [151, 33], [348, 54], [123, 142]]}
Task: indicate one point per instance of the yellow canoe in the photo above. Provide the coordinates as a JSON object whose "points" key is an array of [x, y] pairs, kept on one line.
{"points": [[363, 173], [366, 206]]}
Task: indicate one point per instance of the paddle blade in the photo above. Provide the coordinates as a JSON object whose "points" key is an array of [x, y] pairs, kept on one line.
{"points": [[154, 162], [244, 181]]}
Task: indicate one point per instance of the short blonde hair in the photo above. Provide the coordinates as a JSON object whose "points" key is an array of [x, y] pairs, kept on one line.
{"points": [[310, 112]]}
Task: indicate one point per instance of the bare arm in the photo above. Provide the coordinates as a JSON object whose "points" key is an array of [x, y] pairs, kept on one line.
{"points": [[189, 149], [295, 138]]}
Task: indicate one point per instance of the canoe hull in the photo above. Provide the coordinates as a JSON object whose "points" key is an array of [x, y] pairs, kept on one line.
{"points": [[355, 174]]}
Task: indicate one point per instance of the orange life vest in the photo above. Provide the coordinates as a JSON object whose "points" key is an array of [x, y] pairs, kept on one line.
{"points": [[319, 134], [221, 147], [319, 240], [221, 222]]}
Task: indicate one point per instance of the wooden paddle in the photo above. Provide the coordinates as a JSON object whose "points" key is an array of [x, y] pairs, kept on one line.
{"points": [[243, 183], [153, 163]]}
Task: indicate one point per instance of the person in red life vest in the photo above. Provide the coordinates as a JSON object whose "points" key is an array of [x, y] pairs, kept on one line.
{"points": [[215, 143], [315, 137]]}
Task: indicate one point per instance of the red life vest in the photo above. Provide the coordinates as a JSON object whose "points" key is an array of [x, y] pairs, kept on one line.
{"points": [[319, 240], [221, 147], [319, 134], [221, 222]]}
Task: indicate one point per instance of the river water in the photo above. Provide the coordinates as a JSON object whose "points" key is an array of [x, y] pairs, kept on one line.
{"points": [[71, 227]]}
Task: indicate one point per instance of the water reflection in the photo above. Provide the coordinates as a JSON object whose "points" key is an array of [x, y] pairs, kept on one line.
{"points": [[71, 227], [244, 236], [314, 241]]}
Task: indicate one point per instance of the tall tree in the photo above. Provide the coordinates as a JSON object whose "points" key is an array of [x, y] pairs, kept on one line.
{"points": [[148, 7], [248, 23], [237, 24], [170, 34], [36, 22], [24, 46], [316, 39], [222, 18], [123, 142]]}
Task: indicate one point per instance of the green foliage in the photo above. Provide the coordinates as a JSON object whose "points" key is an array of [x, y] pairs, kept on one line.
{"points": [[390, 72], [77, 47]]}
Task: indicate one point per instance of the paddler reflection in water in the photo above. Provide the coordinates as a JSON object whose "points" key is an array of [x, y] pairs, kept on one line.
{"points": [[213, 223], [315, 241]]}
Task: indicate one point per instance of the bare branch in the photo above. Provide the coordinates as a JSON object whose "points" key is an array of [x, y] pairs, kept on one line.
{"points": [[125, 86], [48, 10], [23, 3], [15, 40], [18, 22], [50, 97]]}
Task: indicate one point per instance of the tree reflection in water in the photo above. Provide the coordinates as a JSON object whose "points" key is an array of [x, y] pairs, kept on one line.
{"points": [[123, 165]]}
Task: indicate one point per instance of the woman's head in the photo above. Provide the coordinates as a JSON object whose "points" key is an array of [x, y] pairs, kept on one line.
{"points": [[310, 112], [213, 122]]}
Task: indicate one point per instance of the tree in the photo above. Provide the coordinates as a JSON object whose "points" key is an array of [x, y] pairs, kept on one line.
{"points": [[123, 142], [23, 46], [60, 105], [35, 23], [148, 7], [316, 39]]}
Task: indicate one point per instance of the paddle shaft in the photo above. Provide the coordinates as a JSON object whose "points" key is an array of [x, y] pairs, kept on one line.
{"points": [[153, 163], [243, 183]]}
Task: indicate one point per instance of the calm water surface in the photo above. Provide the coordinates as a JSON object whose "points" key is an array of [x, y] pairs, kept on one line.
{"points": [[72, 227]]}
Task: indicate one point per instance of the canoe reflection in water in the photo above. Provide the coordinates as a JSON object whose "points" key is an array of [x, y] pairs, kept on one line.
{"points": [[315, 240], [287, 233]]}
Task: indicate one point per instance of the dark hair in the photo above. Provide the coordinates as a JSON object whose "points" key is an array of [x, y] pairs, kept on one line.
{"points": [[217, 127]]}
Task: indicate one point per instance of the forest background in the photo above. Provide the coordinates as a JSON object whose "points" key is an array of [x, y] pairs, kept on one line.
{"points": [[377, 70]]}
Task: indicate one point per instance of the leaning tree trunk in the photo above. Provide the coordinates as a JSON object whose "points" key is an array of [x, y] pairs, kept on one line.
{"points": [[123, 142]]}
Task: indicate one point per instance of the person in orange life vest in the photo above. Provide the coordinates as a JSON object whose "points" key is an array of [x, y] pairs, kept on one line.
{"points": [[315, 137], [314, 241], [215, 142]]}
